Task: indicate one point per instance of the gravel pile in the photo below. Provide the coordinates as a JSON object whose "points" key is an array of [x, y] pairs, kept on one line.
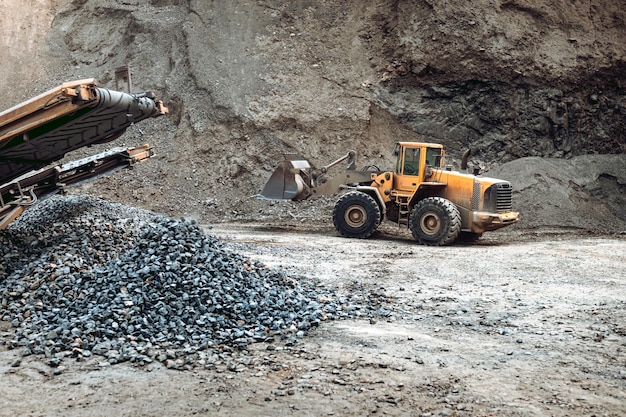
{"points": [[81, 276]]}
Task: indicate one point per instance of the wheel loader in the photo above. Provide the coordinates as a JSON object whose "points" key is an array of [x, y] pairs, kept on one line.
{"points": [[437, 204]]}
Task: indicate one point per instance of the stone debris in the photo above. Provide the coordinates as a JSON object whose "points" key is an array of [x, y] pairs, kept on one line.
{"points": [[83, 276]]}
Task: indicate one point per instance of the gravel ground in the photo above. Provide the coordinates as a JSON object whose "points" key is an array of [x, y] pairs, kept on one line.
{"points": [[520, 324]]}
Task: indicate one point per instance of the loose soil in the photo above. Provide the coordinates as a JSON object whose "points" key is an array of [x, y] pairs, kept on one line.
{"points": [[522, 323]]}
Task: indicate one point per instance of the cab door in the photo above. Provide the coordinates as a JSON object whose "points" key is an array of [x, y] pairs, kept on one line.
{"points": [[408, 170]]}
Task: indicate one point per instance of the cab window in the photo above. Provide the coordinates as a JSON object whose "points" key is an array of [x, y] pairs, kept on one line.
{"points": [[433, 157], [411, 161]]}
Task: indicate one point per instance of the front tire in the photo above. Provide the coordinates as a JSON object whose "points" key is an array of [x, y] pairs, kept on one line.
{"points": [[356, 215], [435, 221]]}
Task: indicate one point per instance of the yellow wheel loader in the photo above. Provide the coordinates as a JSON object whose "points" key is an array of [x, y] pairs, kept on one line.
{"points": [[437, 204]]}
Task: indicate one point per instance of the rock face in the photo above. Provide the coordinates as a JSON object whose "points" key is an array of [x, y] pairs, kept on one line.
{"points": [[247, 81]]}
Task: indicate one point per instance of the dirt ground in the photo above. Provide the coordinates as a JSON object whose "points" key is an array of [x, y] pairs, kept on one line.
{"points": [[523, 323]]}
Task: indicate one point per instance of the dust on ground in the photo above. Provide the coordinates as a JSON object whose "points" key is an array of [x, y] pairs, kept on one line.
{"points": [[523, 323]]}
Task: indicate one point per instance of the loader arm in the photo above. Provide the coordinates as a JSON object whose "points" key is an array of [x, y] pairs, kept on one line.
{"points": [[295, 179]]}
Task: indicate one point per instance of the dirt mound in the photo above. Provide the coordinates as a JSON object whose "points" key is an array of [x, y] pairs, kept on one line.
{"points": [[586, 192]]}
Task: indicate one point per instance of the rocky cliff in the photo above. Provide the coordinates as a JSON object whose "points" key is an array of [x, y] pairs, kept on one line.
{"points": [[246, 81]]}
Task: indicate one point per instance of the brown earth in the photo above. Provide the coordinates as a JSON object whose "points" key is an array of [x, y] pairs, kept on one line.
{"points": [[246, 81], [521, 324], [535, 89]]}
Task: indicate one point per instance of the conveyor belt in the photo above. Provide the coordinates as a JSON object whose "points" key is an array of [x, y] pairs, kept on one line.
{"points": [[25, 191], [42, 130]]}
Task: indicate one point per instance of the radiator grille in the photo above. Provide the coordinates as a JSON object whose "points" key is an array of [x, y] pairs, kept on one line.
{"points": [[504, 199], [476, 196]]}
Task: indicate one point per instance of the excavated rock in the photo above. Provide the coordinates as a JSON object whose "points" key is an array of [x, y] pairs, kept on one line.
{"points": [[82, 276]]}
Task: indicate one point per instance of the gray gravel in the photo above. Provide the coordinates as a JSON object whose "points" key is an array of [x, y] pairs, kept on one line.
{"points": [[81, 276]]}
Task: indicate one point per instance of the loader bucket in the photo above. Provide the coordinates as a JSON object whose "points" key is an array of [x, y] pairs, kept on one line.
{"points": [[286, 182]]}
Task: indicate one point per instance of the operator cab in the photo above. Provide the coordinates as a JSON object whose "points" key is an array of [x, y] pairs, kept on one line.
{"points": [[415, 163], [414, 157]]}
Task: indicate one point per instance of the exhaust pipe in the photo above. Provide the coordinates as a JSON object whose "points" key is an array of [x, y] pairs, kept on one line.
{"points": [[464, 159]]}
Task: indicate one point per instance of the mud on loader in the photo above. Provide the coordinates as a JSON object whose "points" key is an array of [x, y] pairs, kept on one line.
{"points": [[437, 204]]}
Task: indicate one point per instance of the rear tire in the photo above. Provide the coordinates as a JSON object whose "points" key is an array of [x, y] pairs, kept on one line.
{"points": [[356, 215], [435, 221]]}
